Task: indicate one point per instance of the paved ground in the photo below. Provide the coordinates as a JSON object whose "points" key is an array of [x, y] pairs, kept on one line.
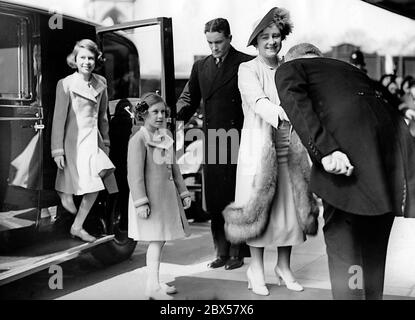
{"points": [[184, 264]]}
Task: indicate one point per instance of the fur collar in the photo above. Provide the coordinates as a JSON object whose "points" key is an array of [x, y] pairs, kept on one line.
{"points": [[243, 223]]}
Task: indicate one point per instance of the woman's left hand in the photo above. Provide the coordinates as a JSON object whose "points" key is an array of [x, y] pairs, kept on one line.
{"points": [[187, 202]]}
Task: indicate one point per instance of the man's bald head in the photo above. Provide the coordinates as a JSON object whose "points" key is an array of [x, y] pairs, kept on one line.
{"points": [[302, 50]]}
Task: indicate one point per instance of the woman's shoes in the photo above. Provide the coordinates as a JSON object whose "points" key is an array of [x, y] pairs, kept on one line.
{"points": [[168, 289], [158, 294], [82, 234], [259, 289], [291, 285]]}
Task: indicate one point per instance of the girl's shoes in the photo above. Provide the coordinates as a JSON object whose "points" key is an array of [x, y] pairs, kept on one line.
{"points": [[82, 234], [168, 289], [158, 294], [257, 288], [291, 285]]}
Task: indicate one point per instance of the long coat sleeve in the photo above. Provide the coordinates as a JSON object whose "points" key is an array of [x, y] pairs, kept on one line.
{"points": [[136, 158], [179, 181], [254, 96], [292, 86], [190, 97], [59, 119]]}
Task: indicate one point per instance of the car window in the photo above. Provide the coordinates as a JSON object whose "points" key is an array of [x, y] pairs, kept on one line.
{"points": [[14, 62]]}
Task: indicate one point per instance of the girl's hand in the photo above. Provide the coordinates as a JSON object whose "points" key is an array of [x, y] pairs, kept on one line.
{"points": [[60, 161], [187, 202], [143, 211]]}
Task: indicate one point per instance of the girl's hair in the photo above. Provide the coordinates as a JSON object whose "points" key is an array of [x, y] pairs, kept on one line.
{"points": [[145, 102], [408, 80], [86, 44]]}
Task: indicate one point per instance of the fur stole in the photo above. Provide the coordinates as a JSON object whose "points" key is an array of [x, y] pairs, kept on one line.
{"points": [[249, 221]]}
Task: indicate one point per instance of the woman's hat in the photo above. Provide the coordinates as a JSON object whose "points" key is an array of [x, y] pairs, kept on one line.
{"points": [[280, 16]]}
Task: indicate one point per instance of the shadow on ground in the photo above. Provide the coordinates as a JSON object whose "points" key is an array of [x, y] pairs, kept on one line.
{"points": [[194, 288]]}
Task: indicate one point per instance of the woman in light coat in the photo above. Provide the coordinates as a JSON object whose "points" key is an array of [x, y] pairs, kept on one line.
{"points": [[80, 141], [272, 204]]}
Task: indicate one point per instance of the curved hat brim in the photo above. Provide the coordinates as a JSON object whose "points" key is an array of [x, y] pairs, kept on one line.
{"points": [[265, 21]]}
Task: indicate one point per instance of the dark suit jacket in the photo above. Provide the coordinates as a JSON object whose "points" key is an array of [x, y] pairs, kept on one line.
{"points": [[335, 106], [218, 89]]}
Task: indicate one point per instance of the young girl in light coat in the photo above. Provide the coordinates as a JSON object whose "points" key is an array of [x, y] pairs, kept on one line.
{"points": [[158, 195]]}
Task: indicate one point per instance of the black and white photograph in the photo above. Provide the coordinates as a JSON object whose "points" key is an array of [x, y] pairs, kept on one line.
{"points": [[212, 155]]}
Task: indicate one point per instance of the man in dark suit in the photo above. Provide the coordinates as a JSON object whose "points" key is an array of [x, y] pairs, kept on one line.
{"points": [[362, 163], [214, 81]]}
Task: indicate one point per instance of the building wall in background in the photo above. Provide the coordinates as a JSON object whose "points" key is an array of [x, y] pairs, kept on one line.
{"points": [[325, 23]]}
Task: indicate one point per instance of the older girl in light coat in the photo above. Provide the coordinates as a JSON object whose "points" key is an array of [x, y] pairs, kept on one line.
{"points": [[80, 141]]}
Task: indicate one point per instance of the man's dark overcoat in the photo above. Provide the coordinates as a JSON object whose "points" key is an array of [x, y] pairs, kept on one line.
{"points": [[335, 106], [218, 89]]}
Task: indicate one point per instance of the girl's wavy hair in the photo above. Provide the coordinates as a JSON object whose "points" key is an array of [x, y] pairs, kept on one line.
{"points": [[85, 44], [145, 102]]}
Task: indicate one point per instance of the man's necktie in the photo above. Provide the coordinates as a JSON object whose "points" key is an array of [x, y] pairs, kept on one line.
{"points": [[218, 62]]}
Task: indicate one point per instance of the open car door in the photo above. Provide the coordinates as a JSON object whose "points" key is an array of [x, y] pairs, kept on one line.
{"points": [[138, 58]]}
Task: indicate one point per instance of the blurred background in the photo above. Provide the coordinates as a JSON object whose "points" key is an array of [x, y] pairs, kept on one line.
{"points": [[339, 27]]}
